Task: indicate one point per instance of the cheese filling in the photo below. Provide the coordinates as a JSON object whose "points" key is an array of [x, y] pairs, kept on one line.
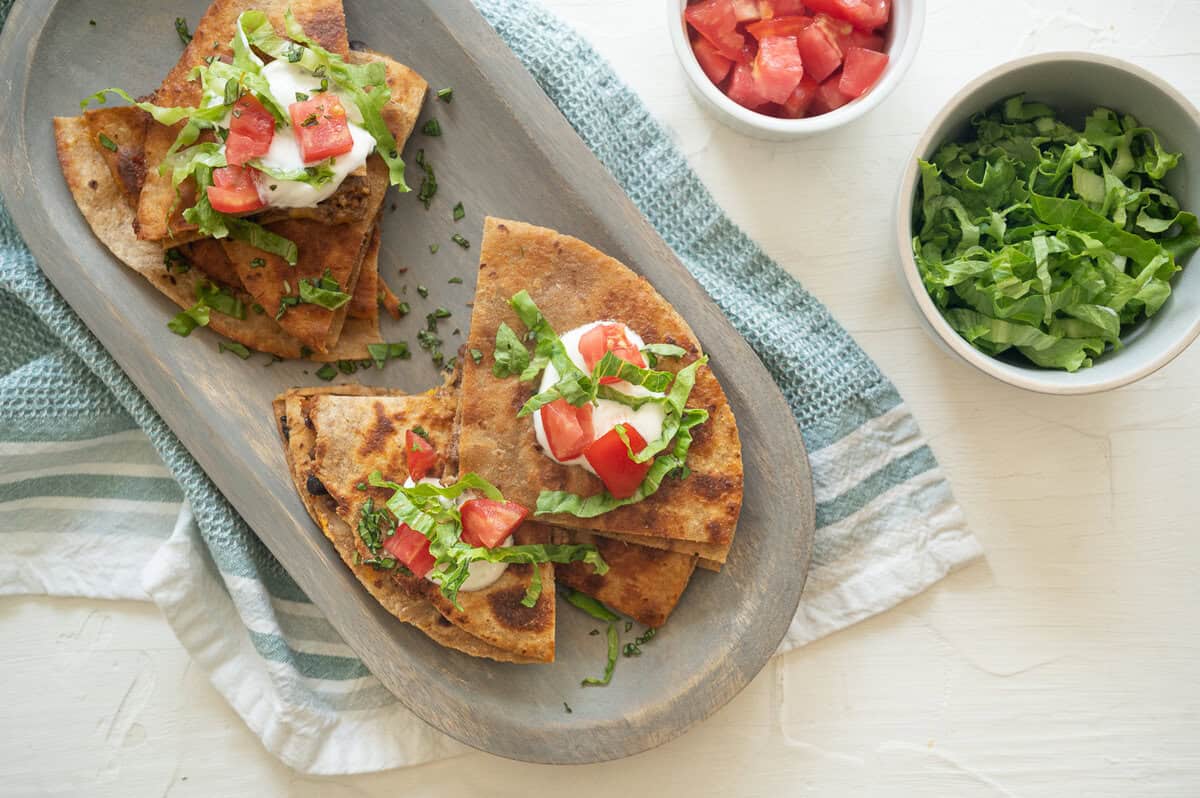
{"points": [[606, 414]]}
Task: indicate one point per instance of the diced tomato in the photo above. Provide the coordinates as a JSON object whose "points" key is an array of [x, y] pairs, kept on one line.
{"points": [[716, 21], [743, 89], [608, 338], [568, 428], [322, 130], [251, 128], [419, 454], [860, 71], [780, 8], [835, 29], [610, 459], [778, 26], [488, 523], [715, 65], [777, 67], [858, 38], [745, 10], [820, 56], [829, 97], [802, 98], [862, 14], [235, 190], [411, 548]]}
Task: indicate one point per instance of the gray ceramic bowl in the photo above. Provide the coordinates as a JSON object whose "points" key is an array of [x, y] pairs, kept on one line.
{"points": [[1074, 84]]}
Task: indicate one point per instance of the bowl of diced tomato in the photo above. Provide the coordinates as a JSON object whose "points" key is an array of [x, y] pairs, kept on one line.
{"points": [[782, 69]]}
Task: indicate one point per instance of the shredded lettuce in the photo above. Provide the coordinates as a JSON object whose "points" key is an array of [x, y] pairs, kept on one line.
{"points": [[1038, 239], [429, 509], [510, 356], [591, 606], [323, 291]]}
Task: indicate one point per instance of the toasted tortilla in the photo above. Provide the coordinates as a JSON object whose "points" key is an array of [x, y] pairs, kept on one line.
{"points": [[323, 20], [358, 435], [104, 204], [125, 129], [573, 284], [299, 439], [364, 304], [644, 583]]}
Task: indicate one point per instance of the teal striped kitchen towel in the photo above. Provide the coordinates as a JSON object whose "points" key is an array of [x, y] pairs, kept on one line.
{"points": [[98, 498]]}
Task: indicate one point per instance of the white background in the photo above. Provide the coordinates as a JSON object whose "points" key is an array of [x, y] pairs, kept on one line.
{"points": [[1064, 665]]}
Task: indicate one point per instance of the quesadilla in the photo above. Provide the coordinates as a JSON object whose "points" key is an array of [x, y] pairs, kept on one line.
{"points": [[291, 411], [537, 283], [356, 437]]}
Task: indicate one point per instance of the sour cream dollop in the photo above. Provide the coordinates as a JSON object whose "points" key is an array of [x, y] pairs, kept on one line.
{"points": [[647, 420], [285, 79], [483, 574]]}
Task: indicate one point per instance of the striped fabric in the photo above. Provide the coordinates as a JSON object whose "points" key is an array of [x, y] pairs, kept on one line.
{"points": [[98, 498]]}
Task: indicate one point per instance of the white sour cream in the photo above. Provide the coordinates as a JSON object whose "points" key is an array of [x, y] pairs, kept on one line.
{"points": [[285, 80], [482, 574], [647, 420]]}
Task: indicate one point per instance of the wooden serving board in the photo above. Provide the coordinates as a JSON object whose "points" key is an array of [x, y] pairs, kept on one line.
{"points": [[505, 151]]}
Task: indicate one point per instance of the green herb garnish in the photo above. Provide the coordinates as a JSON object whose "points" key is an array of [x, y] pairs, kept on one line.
{"points": [[257, 263], [614, 643], [446, 94], [323, 291], [236, 348], [327, 372], [185, 321], [423, 291], [459, 212], [382, 353], [462, 242], [476, 355], [429, 184], [454, 281], [432, 128], [181, 28], [433, 248], [107, 143], [591, 606]]}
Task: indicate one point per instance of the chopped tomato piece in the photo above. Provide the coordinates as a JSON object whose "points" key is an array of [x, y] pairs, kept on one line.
{"points": [[835, 29], [419, 454], [820, 56], [488, 523], [235, 190], [251, 129], [862, 14], [322, 130], [610, 459], [608, 338], [743, 89], [778, 26], [860, 71], [716, 21], [777, 68], [769, 9], [745, 10], [802, 98], [715, 65], [829, 97], [568, 428], [411, 548], [858, 38]]}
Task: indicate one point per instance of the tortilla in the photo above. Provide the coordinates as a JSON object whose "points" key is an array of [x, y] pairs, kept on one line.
{"points": [[573, 284], [364, 304], [358, 435], [125, 130], [710, 555], [325, 22], [410, 608], [642, 582]]}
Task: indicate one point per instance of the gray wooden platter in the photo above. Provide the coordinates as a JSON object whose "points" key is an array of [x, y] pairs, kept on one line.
{"points": [[505, 151]]}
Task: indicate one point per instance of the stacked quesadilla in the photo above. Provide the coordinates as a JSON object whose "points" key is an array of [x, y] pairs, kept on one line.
{"points": [[247, 188], [461, 509]]}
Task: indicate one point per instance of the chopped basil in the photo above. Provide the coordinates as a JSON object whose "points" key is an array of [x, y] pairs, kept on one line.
{"points": [[323, 291], [594, 632], [232, 92], [428, 340], [653, 352], [315, 175], [440, 313], [446, 94], [92, 22], [107, 143], [382, 353], [301, 96], [423, 507], [236, 348], [455, 281], [347, 366], [423, 291], [433, 248], [614, 643], [420, 432], [285, 302], [432, 128], [459, 213], [173, 261], [634, 649], [567, 707], [511, 357], [309, 121], [591, 606], [306, 351], [257, 308], [404, 308], [476, 355], [187, 320], [257, 263], [429, 184], [462, 242], [327, 372], [181, 28], [219, 299]]}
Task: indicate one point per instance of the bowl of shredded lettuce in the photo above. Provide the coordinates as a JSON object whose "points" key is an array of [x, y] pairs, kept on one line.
{"points": [[1047, 221]]}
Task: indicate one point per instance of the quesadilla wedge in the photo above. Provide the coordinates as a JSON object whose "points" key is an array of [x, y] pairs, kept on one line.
{"points": [[360, 436], [291, 412], [539, 284]]}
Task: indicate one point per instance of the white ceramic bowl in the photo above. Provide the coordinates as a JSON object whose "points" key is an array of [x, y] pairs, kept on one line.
{"points": [[904, 35], [1074, 84]]}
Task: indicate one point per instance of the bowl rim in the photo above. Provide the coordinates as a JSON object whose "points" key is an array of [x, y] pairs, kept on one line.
{"points": [[898, 65], [1018, 376]]}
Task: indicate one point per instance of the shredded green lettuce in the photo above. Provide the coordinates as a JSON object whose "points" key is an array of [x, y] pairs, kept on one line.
{"points": [[510, 356], [323, 291], [614, 647], [591, 606], [1037, 239], [430, 510]]}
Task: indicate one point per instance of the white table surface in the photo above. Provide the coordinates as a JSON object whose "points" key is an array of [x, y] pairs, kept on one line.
{"points": [[1064, 665]]}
